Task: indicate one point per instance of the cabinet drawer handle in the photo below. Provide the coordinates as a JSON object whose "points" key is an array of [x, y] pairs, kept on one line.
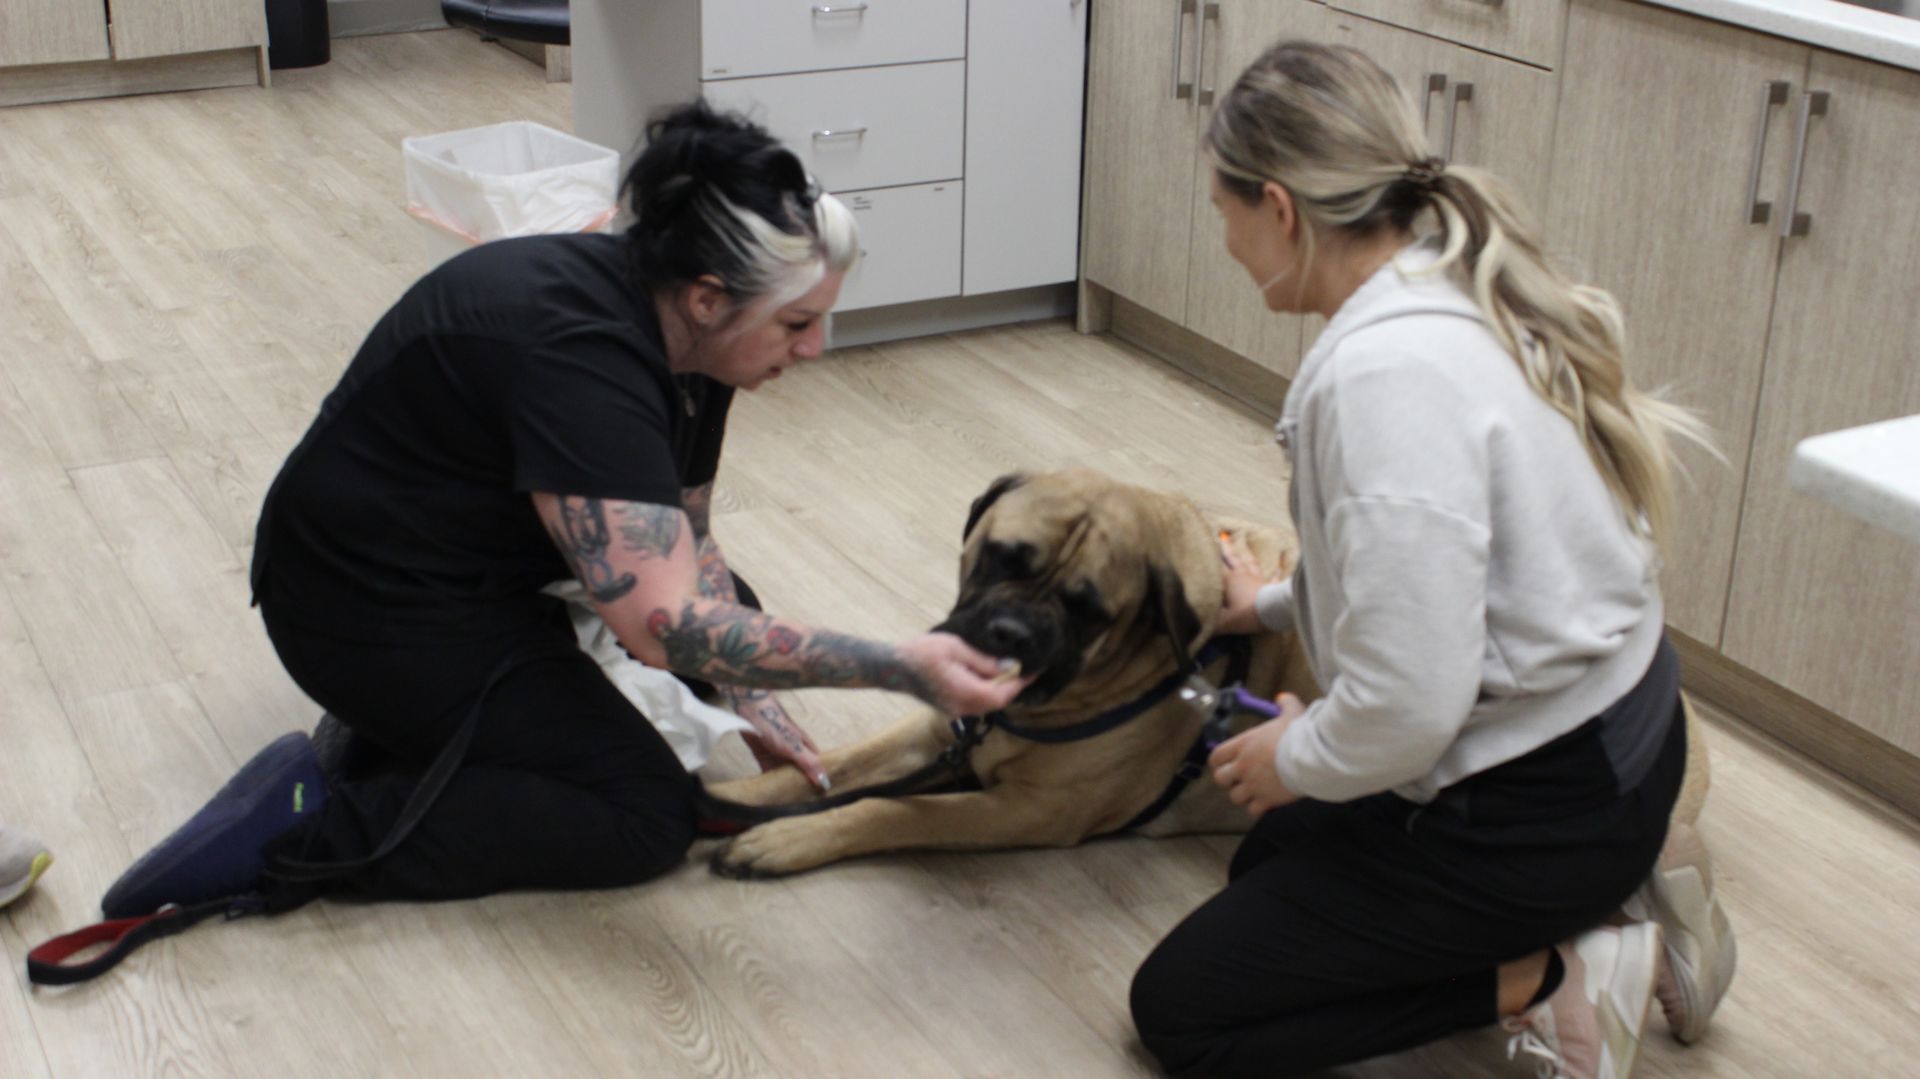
{"points": [[840, 133], [1182, 89], [1812, 103], [1772, 93], [1436, 84], [842, 9], [1460, 91], [1209, 12]]}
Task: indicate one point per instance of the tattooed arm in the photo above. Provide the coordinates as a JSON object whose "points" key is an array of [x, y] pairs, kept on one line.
{"points": [[638, 563], [778, 739]]}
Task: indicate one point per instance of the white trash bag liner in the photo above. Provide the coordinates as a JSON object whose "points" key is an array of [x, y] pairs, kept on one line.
{"points": [[690, 726], [512, 179]]}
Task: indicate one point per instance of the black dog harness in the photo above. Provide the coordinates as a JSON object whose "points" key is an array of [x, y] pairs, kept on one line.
{"points": [[717, 816]]}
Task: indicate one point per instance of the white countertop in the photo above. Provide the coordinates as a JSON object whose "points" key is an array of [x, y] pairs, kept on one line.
{"points": [[1829, 24], [1872, 472]]}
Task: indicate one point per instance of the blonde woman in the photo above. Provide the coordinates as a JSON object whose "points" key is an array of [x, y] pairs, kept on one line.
{"points": [[1479, 491]]}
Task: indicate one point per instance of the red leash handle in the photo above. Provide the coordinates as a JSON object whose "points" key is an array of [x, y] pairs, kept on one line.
{"points": [[47, 964]]}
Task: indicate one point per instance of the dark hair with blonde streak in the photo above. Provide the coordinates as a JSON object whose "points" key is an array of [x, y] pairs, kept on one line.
{"points": [[1331, 127], [715, 193]]}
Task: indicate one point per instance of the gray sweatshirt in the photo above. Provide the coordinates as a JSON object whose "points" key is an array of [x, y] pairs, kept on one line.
{"points": [[1468, 589]]}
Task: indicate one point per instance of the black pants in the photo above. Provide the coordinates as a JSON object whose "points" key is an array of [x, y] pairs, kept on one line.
{"points": [[565, 784], [1349, 931]]}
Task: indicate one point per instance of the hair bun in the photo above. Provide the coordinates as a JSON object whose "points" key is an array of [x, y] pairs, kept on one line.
{"points": [[694, 147]]}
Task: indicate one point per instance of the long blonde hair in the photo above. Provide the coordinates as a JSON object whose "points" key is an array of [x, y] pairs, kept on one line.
{"points": [[1331, 127]]}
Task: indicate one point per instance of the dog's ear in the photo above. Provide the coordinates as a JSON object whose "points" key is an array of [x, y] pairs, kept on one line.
{"points": [[985, 502], [1168, 593]]}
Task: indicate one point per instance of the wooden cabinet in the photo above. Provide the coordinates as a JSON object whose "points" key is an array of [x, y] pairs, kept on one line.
{"points": [[1142, 141], [1223, 303], [52, 31], [1526, 30], [1826, 605], [1675, 177], [59, 50], [1152, 235], [1657, 163], [145, 28]]}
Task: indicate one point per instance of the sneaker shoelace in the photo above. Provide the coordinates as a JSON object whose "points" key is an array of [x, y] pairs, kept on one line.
{"points": [[1528, 1039]]}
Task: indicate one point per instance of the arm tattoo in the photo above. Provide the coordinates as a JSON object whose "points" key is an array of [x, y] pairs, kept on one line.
{"points": [[698, 502], [583, 541], [727, 643], [716, 581], [767, 715], [649, 530]]}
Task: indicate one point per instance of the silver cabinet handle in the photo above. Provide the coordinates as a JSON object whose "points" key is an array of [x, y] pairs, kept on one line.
{"points": [[1181, 9], [842, 9], [1210, 12], [1772, 93], [840, 133], [1458, 92], [1436, 84], [1812, 103]]}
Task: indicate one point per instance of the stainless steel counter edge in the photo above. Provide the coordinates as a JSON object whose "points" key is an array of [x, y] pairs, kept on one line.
{"points": [[1828, 24]]}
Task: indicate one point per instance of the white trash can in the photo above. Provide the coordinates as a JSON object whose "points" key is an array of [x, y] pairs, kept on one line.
{"points": [[517, 178]]}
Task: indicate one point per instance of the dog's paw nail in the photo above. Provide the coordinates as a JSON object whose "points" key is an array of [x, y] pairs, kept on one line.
{"points": [[721, 867]]}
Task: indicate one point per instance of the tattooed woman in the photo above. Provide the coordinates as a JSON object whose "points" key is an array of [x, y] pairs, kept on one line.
{"points": [[536, 407]]}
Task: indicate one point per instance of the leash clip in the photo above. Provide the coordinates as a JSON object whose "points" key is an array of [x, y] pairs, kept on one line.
{"points": [[1203, 695]]}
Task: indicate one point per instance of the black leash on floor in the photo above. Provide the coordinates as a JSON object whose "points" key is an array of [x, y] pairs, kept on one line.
{"points": [[49, 964]]}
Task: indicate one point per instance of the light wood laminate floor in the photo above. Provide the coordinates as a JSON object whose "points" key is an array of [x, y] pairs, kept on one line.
{"points": [[183, 276]]}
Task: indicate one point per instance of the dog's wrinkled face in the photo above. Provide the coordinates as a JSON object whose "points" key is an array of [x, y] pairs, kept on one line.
{"points": [[1068, 573]]}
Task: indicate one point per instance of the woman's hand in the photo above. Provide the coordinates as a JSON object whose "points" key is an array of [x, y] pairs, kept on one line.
{"points": [[1243, 764], [957, 678], [1243, 583], [776, 739]]}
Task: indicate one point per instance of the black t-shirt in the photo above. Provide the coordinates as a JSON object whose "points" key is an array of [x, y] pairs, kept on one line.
{"points": [[523, 365]]}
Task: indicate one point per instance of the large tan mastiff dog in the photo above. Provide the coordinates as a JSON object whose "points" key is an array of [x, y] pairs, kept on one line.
{"points": [[1100, 589]]}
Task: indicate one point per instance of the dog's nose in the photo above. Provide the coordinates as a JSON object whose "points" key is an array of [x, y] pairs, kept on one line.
{"points": [[1007, 636]]}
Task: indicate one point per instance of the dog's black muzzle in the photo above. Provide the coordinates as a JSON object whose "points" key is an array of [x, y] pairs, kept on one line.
{"points": [[1039, 635]]}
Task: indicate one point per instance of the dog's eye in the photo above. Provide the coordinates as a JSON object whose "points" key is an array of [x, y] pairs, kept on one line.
{"points": [[1083, 602], [1012, 561]]}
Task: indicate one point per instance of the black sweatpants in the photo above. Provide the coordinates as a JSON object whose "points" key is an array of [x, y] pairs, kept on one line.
{"points": [[1351, 930], [565, 784]]}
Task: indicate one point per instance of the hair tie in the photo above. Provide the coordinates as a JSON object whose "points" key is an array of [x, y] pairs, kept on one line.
{"points": [[1425, 174]]}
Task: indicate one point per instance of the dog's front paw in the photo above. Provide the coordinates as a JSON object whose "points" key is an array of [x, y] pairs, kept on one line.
{"points": [[775, 849]]}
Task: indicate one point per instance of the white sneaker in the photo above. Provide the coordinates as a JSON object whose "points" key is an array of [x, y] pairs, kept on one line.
{"points": [[1590, 1027], [1700, 949]]}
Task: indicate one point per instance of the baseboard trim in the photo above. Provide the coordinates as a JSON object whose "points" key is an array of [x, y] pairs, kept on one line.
{"points": [[1859, 756], [353, 18], [1219, 367], [555, 60], [872, 325], [40, 84]]}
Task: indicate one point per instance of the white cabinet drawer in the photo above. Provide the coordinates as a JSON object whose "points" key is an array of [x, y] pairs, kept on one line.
{"points": [[910, 244], [739, 38], [871, 127]]}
